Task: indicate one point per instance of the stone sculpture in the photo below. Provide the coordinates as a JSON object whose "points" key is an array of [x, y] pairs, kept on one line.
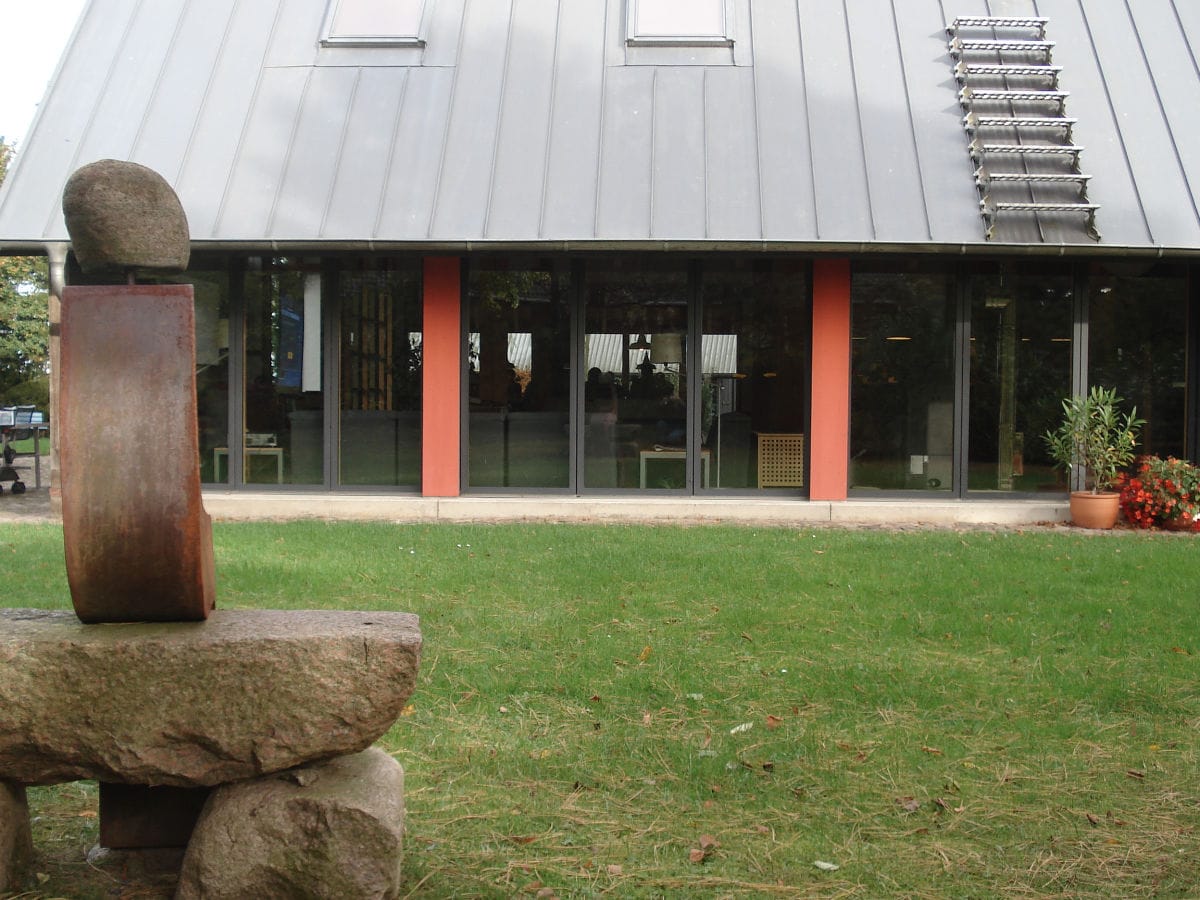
{"points": [[169, 700]]}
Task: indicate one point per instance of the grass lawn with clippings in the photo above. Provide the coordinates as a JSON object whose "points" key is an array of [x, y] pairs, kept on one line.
{"points": [[748, 712]]}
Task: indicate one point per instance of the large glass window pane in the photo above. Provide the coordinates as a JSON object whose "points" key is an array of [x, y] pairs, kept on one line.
{"points": [[754, 371], [1138, 345], [520, 374], [284, 400], [635, 403], [380, 402], [902, 379], [1021, 329]]}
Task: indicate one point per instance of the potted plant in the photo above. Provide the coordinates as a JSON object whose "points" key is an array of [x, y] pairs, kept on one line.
{"points": [[1094, 443]]}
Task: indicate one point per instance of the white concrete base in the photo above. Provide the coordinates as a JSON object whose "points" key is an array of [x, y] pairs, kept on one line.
{"points": [[234, 506]]}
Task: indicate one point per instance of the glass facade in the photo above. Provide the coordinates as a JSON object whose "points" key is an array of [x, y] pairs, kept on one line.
{"points": [[680, 373]]}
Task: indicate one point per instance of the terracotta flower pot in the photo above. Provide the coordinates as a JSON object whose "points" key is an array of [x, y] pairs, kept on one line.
{"points": [[1090, 510]]}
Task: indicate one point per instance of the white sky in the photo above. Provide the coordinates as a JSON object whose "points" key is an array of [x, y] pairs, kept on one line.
{"points": [[34, 34]]}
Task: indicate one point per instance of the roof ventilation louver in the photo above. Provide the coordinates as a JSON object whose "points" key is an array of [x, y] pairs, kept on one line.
{"points": [[1020, 138]]}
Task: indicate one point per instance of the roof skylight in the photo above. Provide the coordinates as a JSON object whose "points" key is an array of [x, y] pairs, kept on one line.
{"points": [[374, 22], [678, 21]]}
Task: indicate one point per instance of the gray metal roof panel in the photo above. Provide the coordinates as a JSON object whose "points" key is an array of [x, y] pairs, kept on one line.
{"points": [[838, 154], [415, 162], [528, 120], [1139, 119], [514, 201], [627, 146], [732, 172], [1121, 218], [216, 129], [469, 150], [316, 155], [785, 170], [948, 193], [570, 182], [356, 197], [1173, 67], [1166, 71], [678, 164], [892, 170], [266, 145]]}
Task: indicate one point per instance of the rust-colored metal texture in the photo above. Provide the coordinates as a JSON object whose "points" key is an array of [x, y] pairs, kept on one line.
{"points": [[138, 541], [135, 817]]}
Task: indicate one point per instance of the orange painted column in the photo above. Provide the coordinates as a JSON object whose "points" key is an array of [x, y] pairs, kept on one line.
{"points": [[441, 374], [829, 443]]}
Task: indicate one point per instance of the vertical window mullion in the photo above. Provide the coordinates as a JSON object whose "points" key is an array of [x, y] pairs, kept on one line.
{"points": [[962, 385], [693, 356], [331, 371], [577, 373], [237, 374], [1079, 351]]}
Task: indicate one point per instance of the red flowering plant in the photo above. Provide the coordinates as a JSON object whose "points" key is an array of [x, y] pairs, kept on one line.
{"points": [[1162, 493]]}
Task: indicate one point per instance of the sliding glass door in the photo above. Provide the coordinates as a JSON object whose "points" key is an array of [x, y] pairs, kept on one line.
{"points": [[635, 416], [519, 374]]}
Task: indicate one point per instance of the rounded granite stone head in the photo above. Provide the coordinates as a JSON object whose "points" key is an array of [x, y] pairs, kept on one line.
{"points": [[123, 216]]}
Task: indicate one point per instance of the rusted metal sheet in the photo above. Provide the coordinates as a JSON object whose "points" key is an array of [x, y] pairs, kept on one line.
{"points": [[138, 541]]}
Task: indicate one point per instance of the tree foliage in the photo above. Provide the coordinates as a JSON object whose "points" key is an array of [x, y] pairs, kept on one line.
{"points": [[24, 321]]}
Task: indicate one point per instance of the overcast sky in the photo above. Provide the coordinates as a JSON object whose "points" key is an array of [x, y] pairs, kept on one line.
{"points": [[35, 33]]}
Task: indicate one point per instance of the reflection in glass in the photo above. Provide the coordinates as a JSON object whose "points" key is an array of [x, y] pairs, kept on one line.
{"points": [[519, 378], [1138, 345], [1021, 328], [635, 395], [755, 370], [211, 290], [380, 403], [902, 380], [284, 396]]}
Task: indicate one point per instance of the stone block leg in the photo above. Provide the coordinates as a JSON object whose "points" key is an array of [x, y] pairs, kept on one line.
{"points": [[332, 829], [16, 842]]}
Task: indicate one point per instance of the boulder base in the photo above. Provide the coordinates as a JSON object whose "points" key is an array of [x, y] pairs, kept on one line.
{"points": [[329, 830], [196, 704]]}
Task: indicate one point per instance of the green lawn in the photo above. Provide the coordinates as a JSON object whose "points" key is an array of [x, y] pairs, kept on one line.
{"points": [[751, 712]]}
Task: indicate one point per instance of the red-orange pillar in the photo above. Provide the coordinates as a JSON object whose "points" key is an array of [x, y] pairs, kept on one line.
{"points": [[829, 442], [441, 368]]}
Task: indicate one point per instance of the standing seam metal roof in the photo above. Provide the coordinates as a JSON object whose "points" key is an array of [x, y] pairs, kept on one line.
{"points": [[530, 122]]}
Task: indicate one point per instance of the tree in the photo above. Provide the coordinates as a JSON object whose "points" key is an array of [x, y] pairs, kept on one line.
{"points": [[24, 322]]}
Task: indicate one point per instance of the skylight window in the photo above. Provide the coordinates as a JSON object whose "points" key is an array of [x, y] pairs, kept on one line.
{"points": [[677, 22], [374, 22]]}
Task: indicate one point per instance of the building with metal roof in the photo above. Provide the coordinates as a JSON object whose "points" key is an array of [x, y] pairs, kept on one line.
{"points": [[883, 238]]}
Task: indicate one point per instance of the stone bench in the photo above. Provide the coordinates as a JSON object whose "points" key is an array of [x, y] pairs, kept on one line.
{"points": [[232, 701]]}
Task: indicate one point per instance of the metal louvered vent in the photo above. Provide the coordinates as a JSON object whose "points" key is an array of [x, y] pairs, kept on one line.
{"points": [[1014, 114]]}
